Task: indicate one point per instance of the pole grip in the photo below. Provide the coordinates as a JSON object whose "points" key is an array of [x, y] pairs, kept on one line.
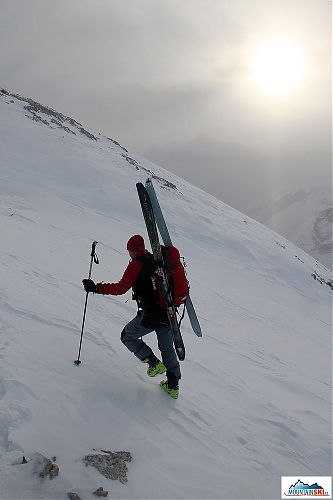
{"points": [[93, 252]]}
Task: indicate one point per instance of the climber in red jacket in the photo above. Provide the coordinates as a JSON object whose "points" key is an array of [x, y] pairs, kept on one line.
{"points": [[151, 316]]}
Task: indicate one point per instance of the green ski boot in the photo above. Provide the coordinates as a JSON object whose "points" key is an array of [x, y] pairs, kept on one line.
{"points": [[156, 367], [174, 393], [156, 370]]}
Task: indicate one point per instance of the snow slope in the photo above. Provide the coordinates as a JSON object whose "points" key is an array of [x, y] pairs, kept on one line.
{"points": [[255, 398], [304, 216]]}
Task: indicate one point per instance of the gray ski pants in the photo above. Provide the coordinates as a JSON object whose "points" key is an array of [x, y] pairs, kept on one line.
{"points": [[131, 338]]}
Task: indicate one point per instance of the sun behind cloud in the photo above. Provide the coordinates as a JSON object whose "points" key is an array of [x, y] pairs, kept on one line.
{"points": [[276, 67]]}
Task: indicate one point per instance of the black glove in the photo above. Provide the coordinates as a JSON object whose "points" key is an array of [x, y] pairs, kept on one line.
{"points": [[89, 286]]}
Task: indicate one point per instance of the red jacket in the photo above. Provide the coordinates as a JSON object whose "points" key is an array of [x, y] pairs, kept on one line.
{"points": [[128, 279]]}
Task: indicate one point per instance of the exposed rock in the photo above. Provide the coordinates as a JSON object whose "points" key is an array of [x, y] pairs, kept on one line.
{"points": [[46, 467], [87, 134], [111, 464], [164, 182], [45, 115], [280, 245], [100, 492], [73, 496], [117, 144], [48, 116], [131, 161], [321, 280]]}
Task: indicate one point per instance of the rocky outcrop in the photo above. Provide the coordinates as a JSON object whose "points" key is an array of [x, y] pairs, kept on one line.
{"points": [[45, 467], [100, 492], [113, 465]]}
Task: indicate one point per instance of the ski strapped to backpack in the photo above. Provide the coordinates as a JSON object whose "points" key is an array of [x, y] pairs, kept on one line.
{"points": [[161, 224], [161, 269]]}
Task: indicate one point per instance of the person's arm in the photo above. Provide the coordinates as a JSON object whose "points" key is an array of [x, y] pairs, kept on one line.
{"points": [[127, 281]]}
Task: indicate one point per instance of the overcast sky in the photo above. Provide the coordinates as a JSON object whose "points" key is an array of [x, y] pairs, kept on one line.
{"points": [[170, 80]]}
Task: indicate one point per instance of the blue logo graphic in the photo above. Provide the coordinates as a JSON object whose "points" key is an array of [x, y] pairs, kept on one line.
{"points": [[300, 488]]}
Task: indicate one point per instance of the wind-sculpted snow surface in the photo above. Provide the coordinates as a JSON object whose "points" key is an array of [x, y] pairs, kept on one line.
{"points": [[255, 394]]}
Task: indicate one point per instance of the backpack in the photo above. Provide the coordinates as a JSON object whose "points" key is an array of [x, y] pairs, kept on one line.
{"points": [[146, 290], [176, 275]]}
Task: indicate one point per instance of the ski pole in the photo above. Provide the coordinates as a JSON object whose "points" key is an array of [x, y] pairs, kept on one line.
{"points": [[94, 258]]}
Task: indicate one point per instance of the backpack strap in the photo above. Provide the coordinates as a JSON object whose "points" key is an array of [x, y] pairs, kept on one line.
{"points": [[182, 316]]}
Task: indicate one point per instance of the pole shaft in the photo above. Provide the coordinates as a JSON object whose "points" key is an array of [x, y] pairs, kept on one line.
{"points": [[77, 362], [83, 321]]}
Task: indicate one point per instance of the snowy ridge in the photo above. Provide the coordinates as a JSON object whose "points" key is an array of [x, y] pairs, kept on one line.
{"points": [[255, 399]]}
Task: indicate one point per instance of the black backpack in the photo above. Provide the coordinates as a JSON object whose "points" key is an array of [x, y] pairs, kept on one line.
{"points": [[145, 288]]}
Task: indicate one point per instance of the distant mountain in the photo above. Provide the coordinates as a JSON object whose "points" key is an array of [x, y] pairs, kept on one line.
{"points": [[303, 216]]}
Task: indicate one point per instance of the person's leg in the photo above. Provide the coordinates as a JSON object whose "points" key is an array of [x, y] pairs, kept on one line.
{"points": [[131, 338], [169, 357]]}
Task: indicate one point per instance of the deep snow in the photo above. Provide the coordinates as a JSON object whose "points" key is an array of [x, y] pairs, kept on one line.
{"points": [[255, 401]]}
